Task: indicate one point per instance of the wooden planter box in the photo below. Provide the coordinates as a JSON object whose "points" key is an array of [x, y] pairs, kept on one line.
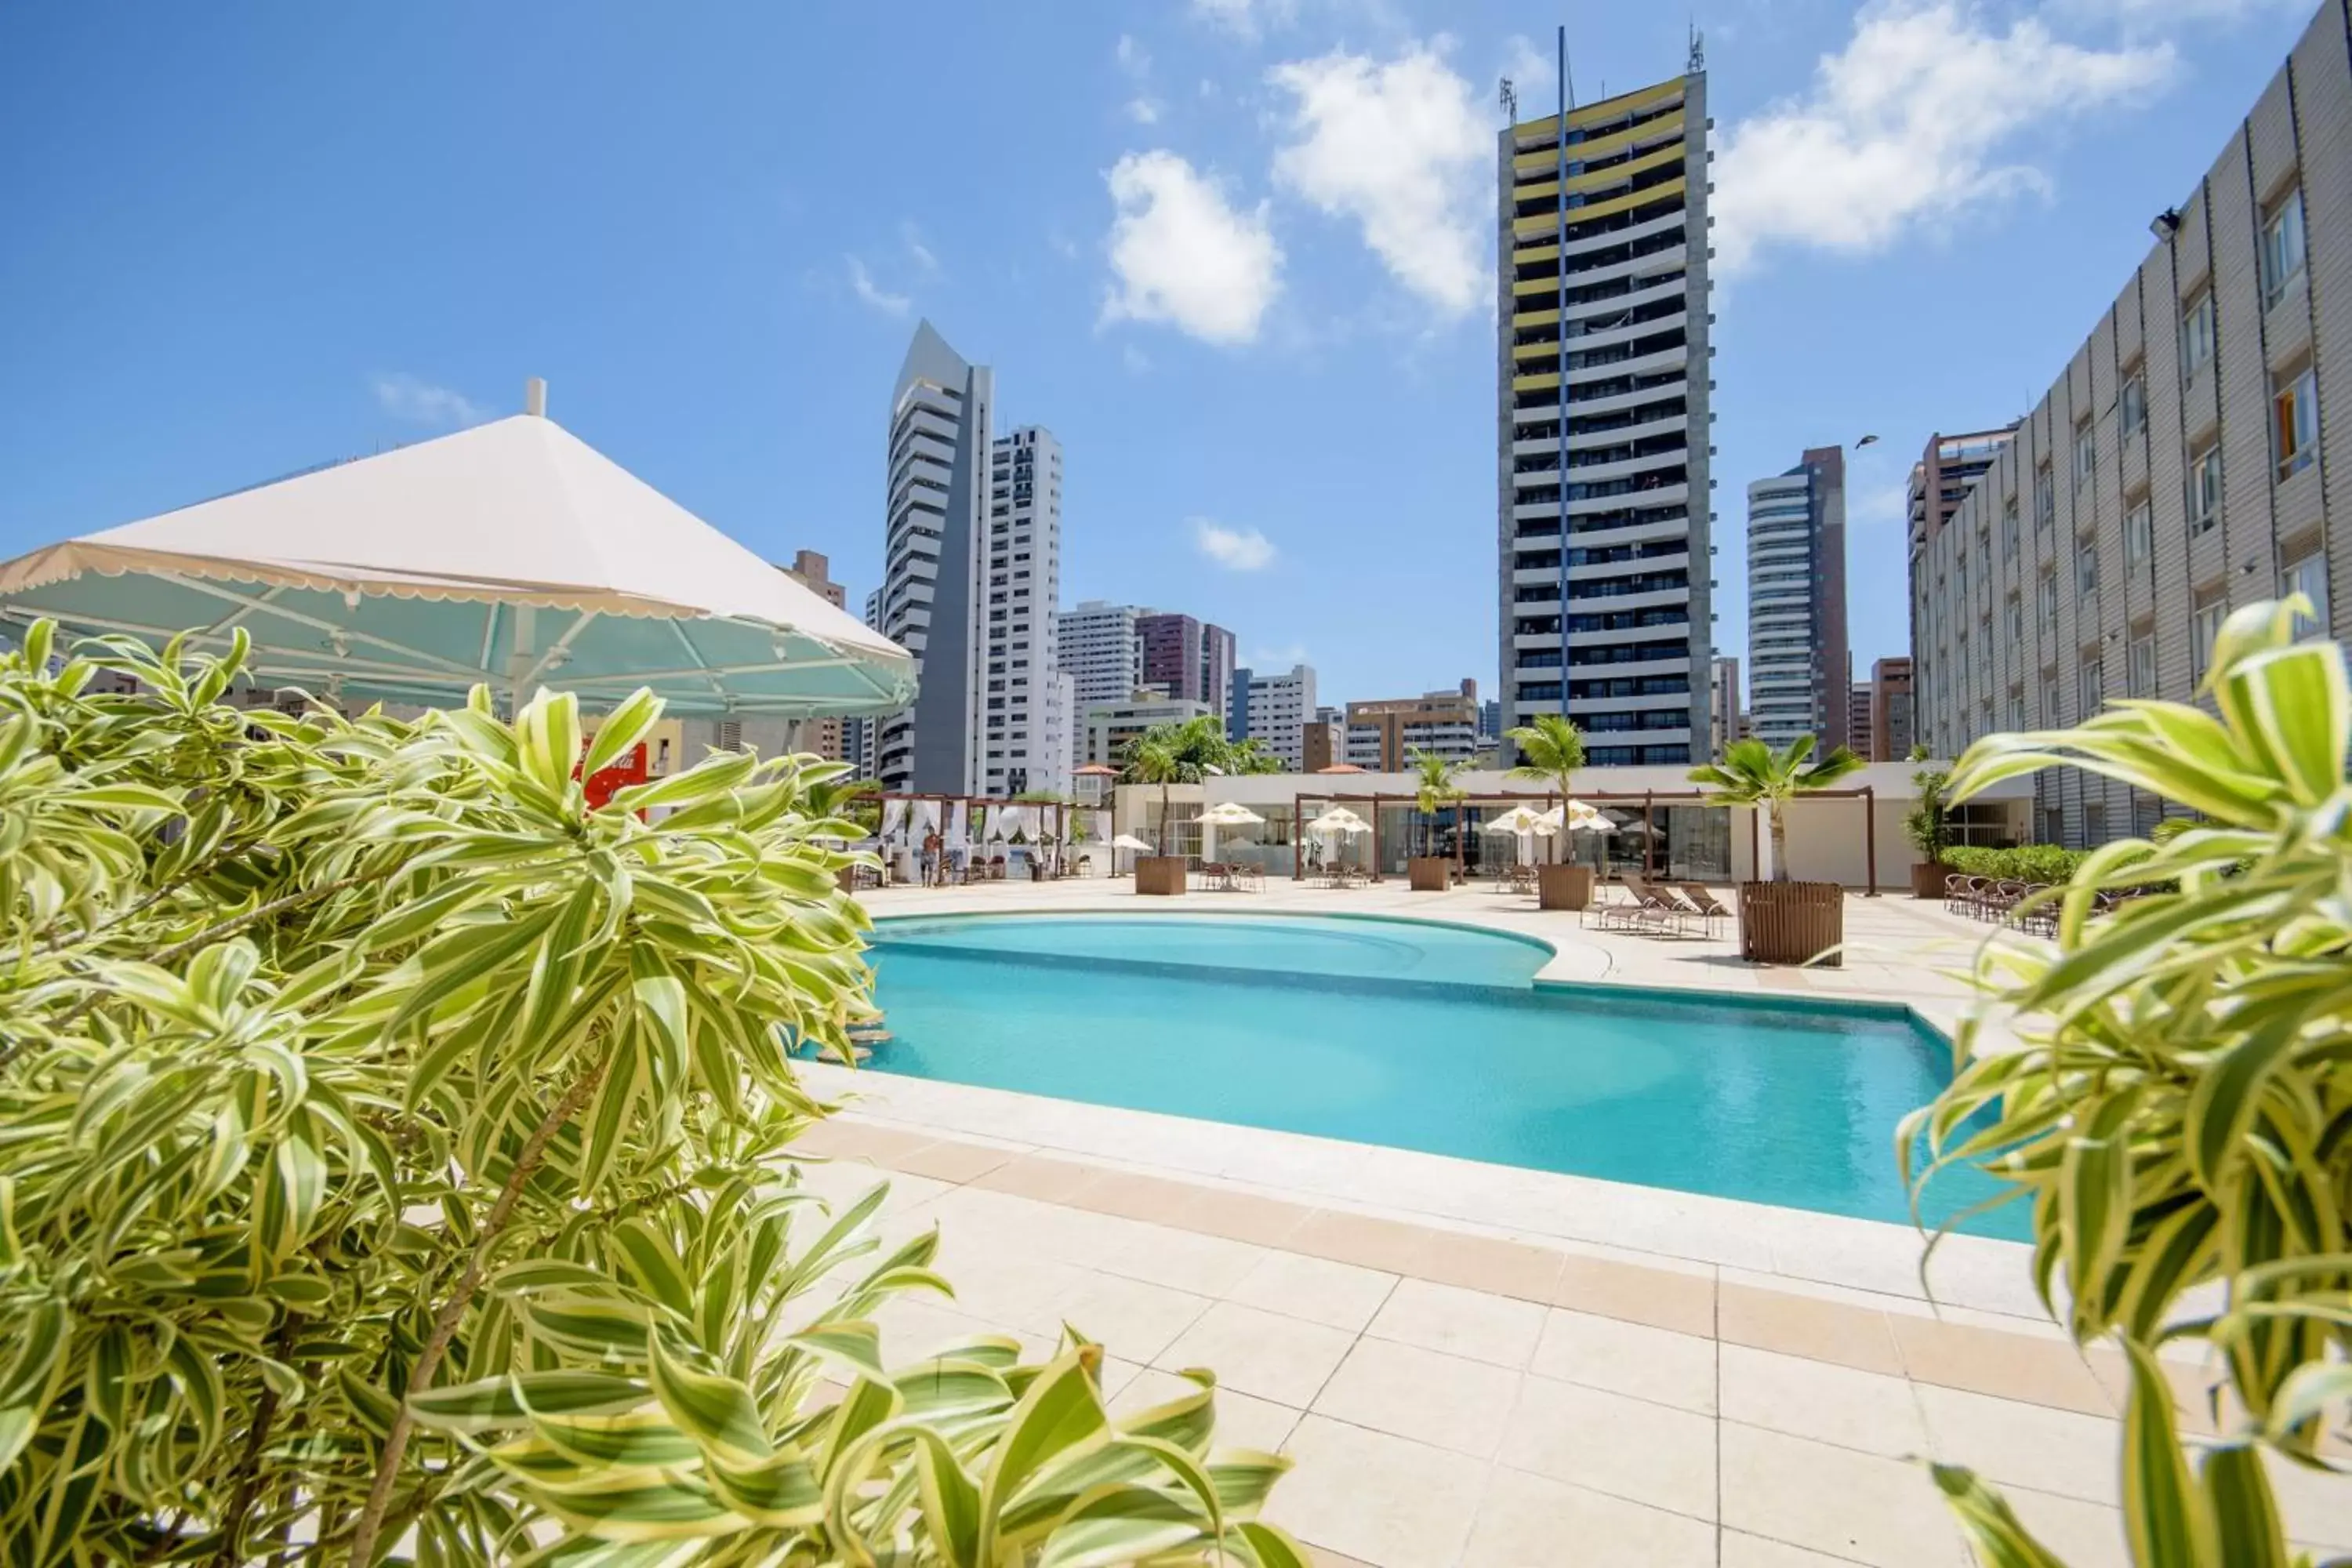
{"points": [[1428, 873], [1160, 875], [1927, 881], [1563, 887], [1790, 922]]}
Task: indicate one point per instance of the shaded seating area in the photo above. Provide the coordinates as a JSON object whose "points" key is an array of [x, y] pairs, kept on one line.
{"points": [[2021, 906]]}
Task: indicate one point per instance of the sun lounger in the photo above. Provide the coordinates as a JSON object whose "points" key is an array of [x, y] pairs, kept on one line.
{"points": [[1710, 909]]}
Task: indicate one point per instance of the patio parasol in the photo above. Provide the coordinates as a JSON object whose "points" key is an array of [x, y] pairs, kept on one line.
{"points": [[511, 554], [1130, 843]]}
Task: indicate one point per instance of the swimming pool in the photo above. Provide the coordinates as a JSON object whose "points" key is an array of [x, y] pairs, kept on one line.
{"points": [[1420, 1035]]}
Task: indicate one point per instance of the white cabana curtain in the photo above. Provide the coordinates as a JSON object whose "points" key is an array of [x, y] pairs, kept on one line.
{"points": [[894, 818], [959, 818], [926, 818]]}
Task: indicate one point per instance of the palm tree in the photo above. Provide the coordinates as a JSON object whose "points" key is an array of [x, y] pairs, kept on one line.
{"points": [[1551, 750], [1179, 752], [1753, 774], [1436, 785]]}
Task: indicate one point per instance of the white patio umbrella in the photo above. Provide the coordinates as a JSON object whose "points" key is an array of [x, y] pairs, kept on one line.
{"points": [[1520, 823], [1338, 822], [511, 554], [1231, 814], [1132, 844]]}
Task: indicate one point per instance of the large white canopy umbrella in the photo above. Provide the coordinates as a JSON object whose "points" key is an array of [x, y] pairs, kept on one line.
{"points": [[512, 554], [1231, 814]]}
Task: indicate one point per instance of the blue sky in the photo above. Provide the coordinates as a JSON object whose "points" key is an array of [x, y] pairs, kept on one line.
{"points": [[1233, 252]]}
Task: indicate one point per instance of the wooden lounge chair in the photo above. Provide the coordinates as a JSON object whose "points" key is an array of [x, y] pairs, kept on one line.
{"points": [[1710, 909]]}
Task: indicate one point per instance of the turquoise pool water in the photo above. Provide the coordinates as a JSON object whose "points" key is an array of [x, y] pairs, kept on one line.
{"points": [[1421, 1037]]}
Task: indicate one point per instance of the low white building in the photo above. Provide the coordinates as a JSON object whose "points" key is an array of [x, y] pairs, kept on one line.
{"points": [[1663, 828], [1111, 725]]}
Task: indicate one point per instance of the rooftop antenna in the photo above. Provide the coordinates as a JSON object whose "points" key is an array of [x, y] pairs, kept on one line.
{"points": [[1509, 97], [1697, 52]]}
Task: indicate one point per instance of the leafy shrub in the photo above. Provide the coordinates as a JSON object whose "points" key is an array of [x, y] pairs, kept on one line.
{"points": [[2179, 1115], [2024, 863], [393, 1149]]}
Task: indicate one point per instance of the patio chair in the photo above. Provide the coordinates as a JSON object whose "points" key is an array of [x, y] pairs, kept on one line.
{"points": [[1710, 909], [1643, 910]]}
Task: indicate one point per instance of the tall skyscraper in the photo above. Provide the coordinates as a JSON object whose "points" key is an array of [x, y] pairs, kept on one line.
{"points": [[1217, 663], [1185, 658], [1602, 424], [971, 580], [1800, 674], [1026, 724], [935, 526], [2176, 468]]}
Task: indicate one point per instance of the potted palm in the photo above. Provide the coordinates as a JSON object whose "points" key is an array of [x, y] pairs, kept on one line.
{"points": [[1551, 750], [1436, 785], [1157, 757], [1926, 827], [1782, 920]]}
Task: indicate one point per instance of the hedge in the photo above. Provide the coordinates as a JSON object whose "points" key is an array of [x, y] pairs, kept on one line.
{"points": [[2025, 863]]}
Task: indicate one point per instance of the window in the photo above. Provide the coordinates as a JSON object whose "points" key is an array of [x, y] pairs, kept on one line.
{"points": [[2139, 534], [2283, 247], [2053, 825], [2147, 814], [2197, 334], [2016, 619], [2205, 490], [2045, 496], [2017, 710], [2008, 534], [2140, 675], [2046, 607], [2091, 687], [2131, 406], [2206, 627], [2095, 822], [2086, 450], [2294, 422], [2307, 577], [2051, 717], [2087, 569]]}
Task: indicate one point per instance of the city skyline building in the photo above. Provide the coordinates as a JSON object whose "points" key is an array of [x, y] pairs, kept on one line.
{"points": [[1891, 734], [827, 738], [2176, 469], [1799, 669], [1097, 646], [1602, 358], [1027, 718], [1275, 710], [934, 522], [1384, 733], [1723, 710]]}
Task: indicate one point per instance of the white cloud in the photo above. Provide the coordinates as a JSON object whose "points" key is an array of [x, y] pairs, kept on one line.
{"points": [[1908, 128], [862, 282], [923, 254], [1184, 255], [1136, 360], [1143, 111], [1236, 549], [1402, 149], [1130, 55], [1532, 72], [404, 396]]}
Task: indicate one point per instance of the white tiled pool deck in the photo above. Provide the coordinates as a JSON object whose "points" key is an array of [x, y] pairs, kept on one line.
{"points": [[1493, 1367]]}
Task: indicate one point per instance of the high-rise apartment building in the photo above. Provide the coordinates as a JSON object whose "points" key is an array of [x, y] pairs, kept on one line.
{"points": [[1185, 658], [1946, 471], [1890, 733], [935, 527], [1323, 742], [2178, 468], [1097, 647], [1026, 730], [1277, 709], [1722, 706], [1860, 737], [1601, 422], [972, 579], [824, 737], [1110, 728], [1383, 735], [1799, 672]]}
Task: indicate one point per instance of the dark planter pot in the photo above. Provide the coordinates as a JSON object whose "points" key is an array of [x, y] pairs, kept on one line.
{"points": [[1162, 876], [847, 879], [1428, 873], [1790, 922], [1563, 887], [1927, 881]]}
